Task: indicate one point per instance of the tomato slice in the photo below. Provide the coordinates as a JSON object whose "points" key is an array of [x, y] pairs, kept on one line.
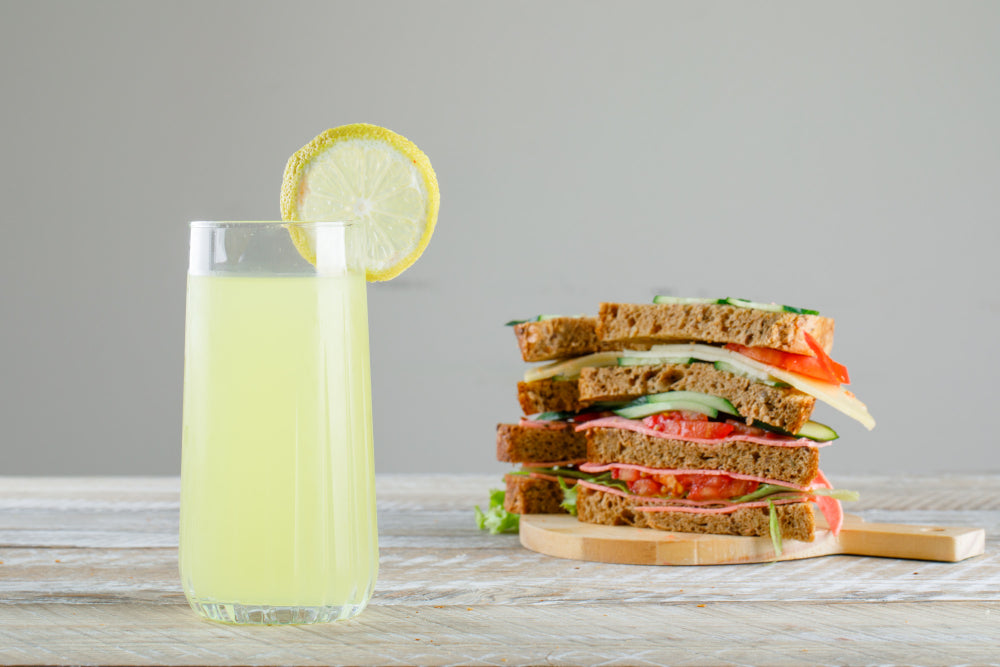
{"points": [[716, 487], [838, 371], [684, 428], [821, 368]]}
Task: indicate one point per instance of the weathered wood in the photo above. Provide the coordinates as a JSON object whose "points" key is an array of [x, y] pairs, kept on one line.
{"points": [[88, 576]]}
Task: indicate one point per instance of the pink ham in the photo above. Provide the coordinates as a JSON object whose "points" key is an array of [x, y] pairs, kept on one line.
{"points": [[638, 427], [598, 468], [692, 505], [570, 481], [715, 510], [831, 508]]}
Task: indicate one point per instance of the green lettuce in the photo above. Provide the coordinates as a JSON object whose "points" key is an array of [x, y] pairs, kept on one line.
{"points": [[496, 519]]}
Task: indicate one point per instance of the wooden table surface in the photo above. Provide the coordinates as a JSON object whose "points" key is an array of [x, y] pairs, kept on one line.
{"points": [[89, 576]]}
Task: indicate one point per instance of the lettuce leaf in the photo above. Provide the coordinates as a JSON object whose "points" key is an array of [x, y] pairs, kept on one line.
{"points": [[496, 519], [775, 528], [569, 497]]}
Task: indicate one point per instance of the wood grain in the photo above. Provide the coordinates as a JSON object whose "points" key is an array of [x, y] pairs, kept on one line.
{"points": [[88, 576], [563, 536]]}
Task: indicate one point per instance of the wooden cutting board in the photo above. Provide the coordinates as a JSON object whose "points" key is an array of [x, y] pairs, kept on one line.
{"points": [[561, 535]]}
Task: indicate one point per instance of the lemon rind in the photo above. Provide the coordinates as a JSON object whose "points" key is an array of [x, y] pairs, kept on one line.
{"points": [[295, 169]]}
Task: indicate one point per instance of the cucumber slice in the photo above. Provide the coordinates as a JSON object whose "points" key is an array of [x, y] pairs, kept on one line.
{"points": [[646, 409], [716, 403], [811, 430], [762, 378], [653, 361], [816, 431], [681, 300], [551, 416], [770, 307]]}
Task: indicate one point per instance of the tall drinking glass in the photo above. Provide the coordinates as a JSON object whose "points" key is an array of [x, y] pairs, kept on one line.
{"points": [[277, 482]]}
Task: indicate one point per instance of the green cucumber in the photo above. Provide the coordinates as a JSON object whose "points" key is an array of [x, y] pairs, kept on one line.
{"points": [[551, 416], [682, 300], [646, 409], [716, 403], [653, 361], [811, 430], [762, 378], [816, 431], [770, 307], [731, 301]]}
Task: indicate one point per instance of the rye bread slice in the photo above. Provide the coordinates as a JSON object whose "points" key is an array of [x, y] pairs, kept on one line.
{"points": [[622, 323], [549, 395], [796, 520], [523, 444], [528, 495], [784, 407], [557, 338], [796, 465]]}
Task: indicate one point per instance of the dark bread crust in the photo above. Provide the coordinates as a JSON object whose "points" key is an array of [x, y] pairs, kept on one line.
{"points": [[529, 495], [786, 408], [556, 338], [549, 396], [621, 323], [796, 520], [521, 444], [796, 465]]}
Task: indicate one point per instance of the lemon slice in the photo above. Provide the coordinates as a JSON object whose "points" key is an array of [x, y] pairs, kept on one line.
{"points": [[372, 176]]}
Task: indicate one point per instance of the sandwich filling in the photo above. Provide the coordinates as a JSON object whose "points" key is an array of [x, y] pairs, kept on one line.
{"points": [[693, 491], [733, 359]]}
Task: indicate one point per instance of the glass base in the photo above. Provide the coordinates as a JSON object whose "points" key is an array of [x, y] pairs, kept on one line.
{"points": [[248, 614]]}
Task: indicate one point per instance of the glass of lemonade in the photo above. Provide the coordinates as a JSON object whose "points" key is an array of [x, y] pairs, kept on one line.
{"points": [[277, 493]]}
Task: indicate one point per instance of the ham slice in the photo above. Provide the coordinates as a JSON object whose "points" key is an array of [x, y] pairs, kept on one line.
{"points": [[599, 468], [570, 481], [831, 508], [638, 427]]}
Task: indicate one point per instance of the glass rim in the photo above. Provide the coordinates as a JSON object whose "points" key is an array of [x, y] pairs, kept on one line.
{"points": [[212, 224]]}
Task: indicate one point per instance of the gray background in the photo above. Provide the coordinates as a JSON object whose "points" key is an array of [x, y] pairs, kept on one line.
{"points": [[843, 156]]}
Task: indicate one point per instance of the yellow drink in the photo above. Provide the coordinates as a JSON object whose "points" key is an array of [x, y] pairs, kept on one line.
{"points": [[277, 500]]}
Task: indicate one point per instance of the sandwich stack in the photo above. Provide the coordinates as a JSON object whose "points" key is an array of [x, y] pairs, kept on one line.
{"points": [[689, 415]]}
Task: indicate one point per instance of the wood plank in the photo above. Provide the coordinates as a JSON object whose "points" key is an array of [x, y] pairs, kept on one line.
{"points": [[88, 576], [718, 633]]}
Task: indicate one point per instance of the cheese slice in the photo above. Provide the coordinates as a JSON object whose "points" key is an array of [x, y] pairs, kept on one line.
{"points": [[832, 394]]}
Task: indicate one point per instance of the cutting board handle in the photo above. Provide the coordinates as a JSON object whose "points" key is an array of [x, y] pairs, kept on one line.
{"points": [[894, 540]]}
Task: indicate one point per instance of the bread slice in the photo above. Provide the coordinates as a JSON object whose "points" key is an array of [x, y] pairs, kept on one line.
{"points": [[784, 407], [549, 396], [796, 520], [528, 495], [796, 465], [523, 444], [623, 323], [556, 338]]}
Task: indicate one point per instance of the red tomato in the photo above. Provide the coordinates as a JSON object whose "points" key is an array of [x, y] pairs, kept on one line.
{"points": [[587, 416], [683, 428], [644, 486], [625, 474], [716, 487], [824, 369]]}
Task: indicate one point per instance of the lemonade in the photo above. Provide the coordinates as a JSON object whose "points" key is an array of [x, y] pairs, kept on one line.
{"points": [[277, 480], [278, 506]]}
